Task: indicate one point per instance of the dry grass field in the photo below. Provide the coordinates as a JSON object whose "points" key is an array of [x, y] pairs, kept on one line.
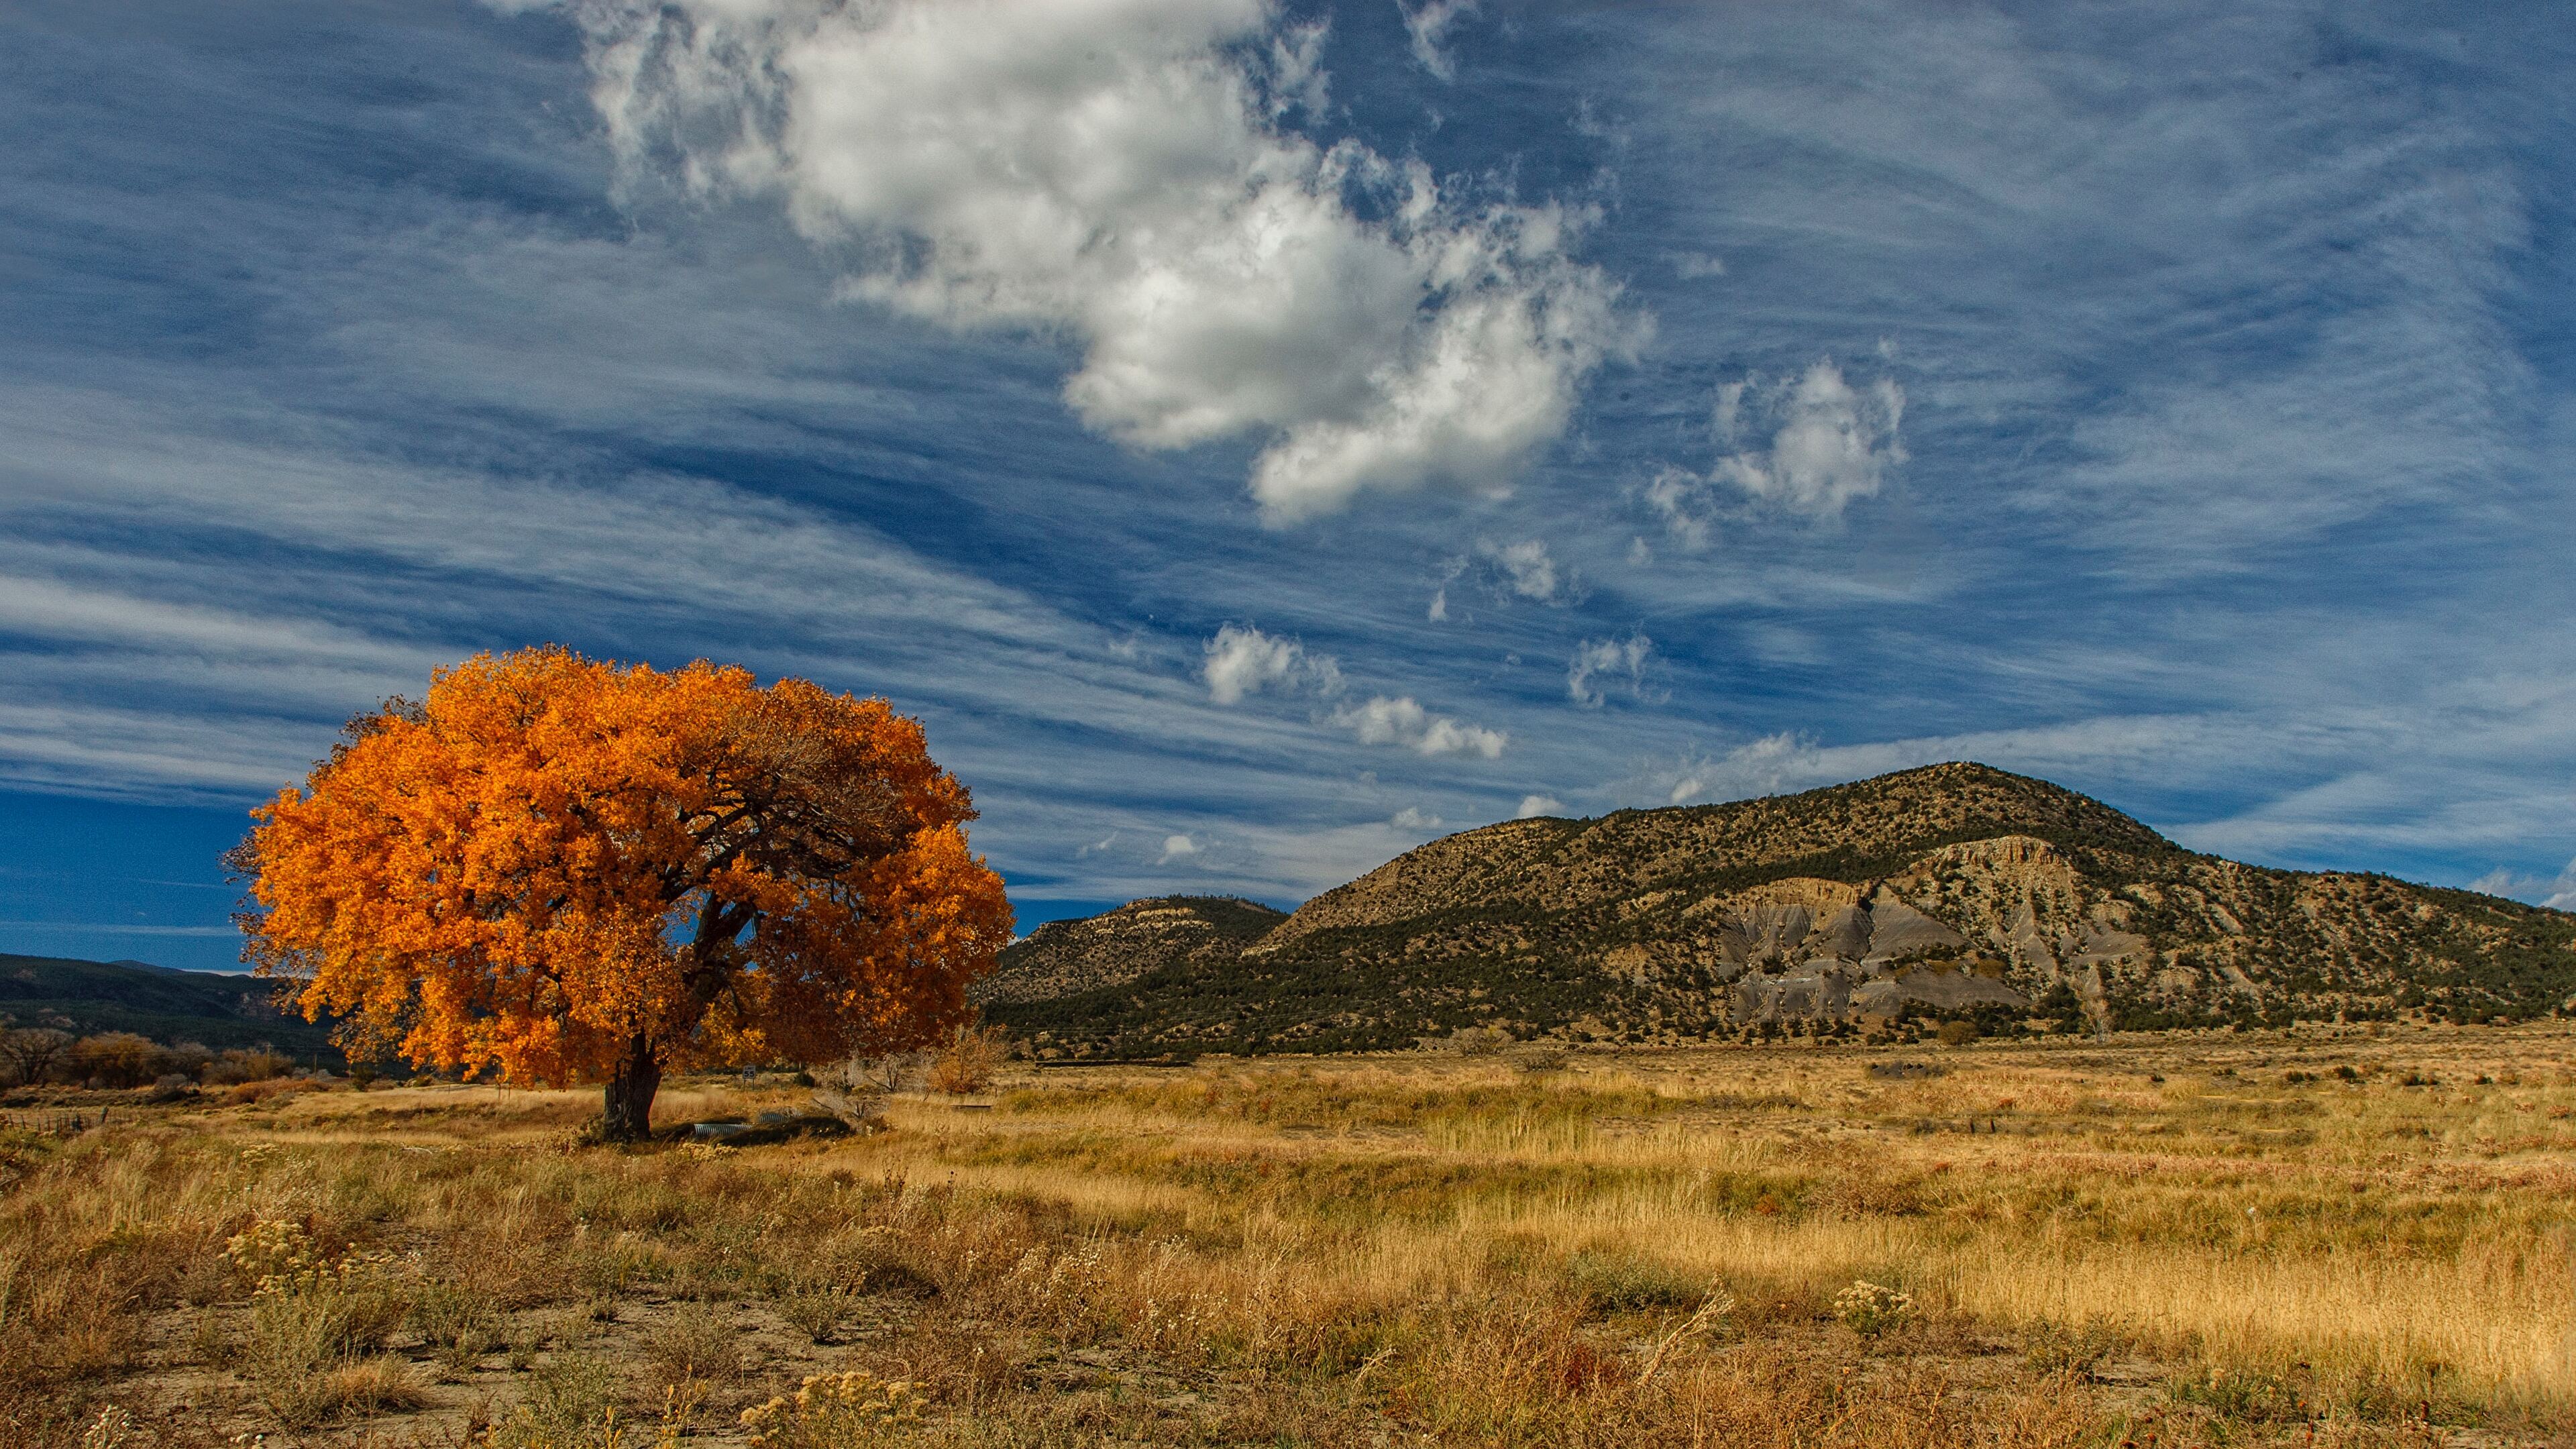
{"points": [[2326, 1237]]}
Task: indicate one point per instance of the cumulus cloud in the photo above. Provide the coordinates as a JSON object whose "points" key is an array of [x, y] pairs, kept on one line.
{"points": [[1507, 571], [1834, 442], [1595, 659], [1176, 847], [1533, 806], [1683, 500], [1428, 25], [1242, 660], [1401, 721], [1410, 818], [1120, 173], [1819, 443], [1526, 569]]}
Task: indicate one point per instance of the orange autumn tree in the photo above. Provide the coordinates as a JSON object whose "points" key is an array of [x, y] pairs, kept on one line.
{"points": [[563, 870]]}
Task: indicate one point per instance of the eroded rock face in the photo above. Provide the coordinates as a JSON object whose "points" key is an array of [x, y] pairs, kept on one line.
{"points": [[1897, 931], [1867, 958]]}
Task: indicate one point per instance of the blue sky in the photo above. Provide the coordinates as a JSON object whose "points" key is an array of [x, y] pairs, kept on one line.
{"points": [[1259, 438]]}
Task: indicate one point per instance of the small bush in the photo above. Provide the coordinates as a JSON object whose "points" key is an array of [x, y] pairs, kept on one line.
{"points": [[1621, 1283], [695, 1345], [817, 1311], [252, 1064], [2056, 1348], [2243, 1395], [834, 1411], [314, 1324], [458, 1326], [1870, 1309], [306, 1355], [266, 1088], [859, 1109], [967, 1063], [571, 1401]]}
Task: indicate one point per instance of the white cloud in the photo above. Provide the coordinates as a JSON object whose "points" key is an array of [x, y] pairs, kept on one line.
{"points": [[1428, 24], [1439, 611], [1384, 721], [1726, 415], [1834, 443], [1176, 847], [1594, 658], [1681, 499], [1537, 805], [1097, 846], [1413, 819], [1118, 172], [1694, 265], [1526, 569], [1242, 660], [1828, 444]]}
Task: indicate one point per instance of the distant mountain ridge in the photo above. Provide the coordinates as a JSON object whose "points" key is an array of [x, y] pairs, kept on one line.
{"points": [[215, 1009], [1949, 892], [1067, 958]]}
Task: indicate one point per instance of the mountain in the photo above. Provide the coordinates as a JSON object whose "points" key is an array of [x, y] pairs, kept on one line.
{"points": [[216, 1009], [1168, 933], [1954, 892]]}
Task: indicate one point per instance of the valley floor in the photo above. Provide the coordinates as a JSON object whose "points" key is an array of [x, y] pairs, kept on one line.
{"points": [[2329, 1236]]}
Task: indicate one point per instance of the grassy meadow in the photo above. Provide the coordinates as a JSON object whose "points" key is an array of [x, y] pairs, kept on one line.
{"points": [[2323, 1237]]}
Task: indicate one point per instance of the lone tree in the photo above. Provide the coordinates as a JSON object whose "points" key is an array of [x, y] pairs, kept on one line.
{"points": [[563, 869]]}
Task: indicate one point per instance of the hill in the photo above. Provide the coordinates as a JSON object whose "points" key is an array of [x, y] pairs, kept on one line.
{"points": [[215, 1009], [1167, 933], [1954, 892]]}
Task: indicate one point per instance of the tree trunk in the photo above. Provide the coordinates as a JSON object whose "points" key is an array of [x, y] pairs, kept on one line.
{"points": [[630, 1093]]}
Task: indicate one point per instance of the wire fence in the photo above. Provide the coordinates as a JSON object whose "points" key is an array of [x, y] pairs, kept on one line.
{"points": [[54, 1122]]}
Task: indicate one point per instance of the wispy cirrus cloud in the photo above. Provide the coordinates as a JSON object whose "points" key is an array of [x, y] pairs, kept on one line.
{"points": [[1426, 23]]}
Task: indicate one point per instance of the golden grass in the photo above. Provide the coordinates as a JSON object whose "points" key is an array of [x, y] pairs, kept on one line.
{"points": [[2251, 1248]]}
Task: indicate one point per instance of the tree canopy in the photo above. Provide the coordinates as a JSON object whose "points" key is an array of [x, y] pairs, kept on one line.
{"points": [[563, 869]]}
